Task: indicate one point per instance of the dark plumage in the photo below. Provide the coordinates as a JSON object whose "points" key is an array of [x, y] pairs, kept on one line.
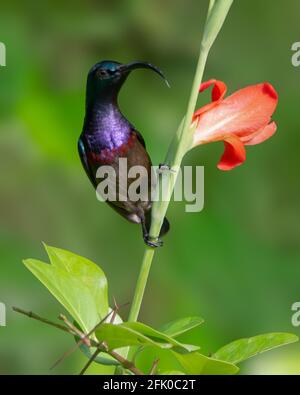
{"points": [[108, 136]]}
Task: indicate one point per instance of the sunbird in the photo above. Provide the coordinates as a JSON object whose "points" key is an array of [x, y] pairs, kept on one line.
{"points": [[108, 136]]}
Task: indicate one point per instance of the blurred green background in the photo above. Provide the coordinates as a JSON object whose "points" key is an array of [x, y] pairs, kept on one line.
{"points": [[237, 262]]}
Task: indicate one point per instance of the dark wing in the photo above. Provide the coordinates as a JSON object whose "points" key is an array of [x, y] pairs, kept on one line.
{"points": [[84, 161], [140, 138]]}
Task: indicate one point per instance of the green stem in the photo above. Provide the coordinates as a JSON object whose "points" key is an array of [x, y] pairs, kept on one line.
{"points": [[141, 284], [217, 12], [216, 15], [210, 6]]}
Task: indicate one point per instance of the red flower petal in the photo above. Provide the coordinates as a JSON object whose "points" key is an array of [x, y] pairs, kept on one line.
{"points": [[234, 154], [217, 94], [262, 135], [243, 113], [218, 91]]}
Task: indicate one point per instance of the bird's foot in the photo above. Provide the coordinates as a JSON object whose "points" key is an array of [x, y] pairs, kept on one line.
{"points": [[154, 243], [164, 168]]}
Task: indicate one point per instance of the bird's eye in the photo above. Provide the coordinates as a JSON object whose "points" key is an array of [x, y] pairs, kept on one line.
{"points": [[101, 73]]}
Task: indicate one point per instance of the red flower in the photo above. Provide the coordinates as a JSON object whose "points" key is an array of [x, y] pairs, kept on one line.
{"points": [[244, 118]]}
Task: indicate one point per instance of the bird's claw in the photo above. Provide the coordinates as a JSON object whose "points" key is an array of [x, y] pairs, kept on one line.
{"points": [[154, 243], [164, 168]]}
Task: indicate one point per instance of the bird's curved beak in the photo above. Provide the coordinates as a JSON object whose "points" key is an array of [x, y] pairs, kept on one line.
{"points": [[143, 65]]}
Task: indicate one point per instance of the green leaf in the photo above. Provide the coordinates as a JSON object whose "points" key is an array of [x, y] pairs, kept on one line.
{"points": [[118, 336], [77, 283], [159, 337], [180, 326], [87, 271], [107, 359], [188, 363], [242, 349], [198, 364], [172, 373], [137, 334]]}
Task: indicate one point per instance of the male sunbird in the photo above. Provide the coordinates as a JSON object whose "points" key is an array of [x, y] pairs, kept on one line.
{"points": [[108, 136]]}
